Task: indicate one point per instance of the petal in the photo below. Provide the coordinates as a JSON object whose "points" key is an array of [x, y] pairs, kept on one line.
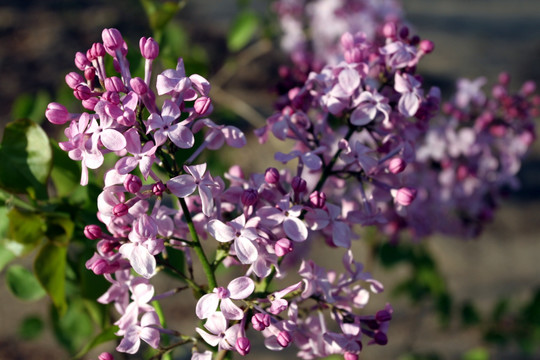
{"points": [[245, 250], [140, 259], [207, 305], [182, 185], [230, 310], [181, 136], [150, 336], [131, 342], [295, 229], [234, 137], [241, 288], [216, 323], [210, 339], [220, 231]]}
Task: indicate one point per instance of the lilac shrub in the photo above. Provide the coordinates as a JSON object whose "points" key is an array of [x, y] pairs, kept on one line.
{"points": [[153, 203]]}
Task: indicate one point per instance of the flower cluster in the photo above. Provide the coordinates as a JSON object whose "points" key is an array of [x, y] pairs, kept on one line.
{"points": [[153, 203]]}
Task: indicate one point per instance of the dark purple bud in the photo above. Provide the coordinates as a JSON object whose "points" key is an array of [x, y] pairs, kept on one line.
{"points": [[404, 32], [397, 165], [202, 105], [415, 40], [139, 86], [427, 46], [112, 38], [120, 209], [298, 184], [132, 183], [283, 246], [81, 61], [82, 92], [249, 197], [383, 316], [350, 356], [158, 188], [380, 338], [260, 321], [149, 48], [93, 232], [74, 79], [284, 338], [57, 113], [271, 175], [405, 196], [243, 346], [317, 199], [114, 83], [105, 356]]}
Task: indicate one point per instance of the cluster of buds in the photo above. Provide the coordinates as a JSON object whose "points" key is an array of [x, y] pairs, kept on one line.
{"points": [[153, 203]]}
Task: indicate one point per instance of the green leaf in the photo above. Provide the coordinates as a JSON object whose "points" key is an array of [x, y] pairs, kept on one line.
{"points": [[25, 227], [5, 256], [476, 354], [160, 13], [26, 159], [103, 337], [23, 284], [242, 31], [73, 328], [31, 327], [66, 173], [31, 106], [59, 229], [50, 269]]}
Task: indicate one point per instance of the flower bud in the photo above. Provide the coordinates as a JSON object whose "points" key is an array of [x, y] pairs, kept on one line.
{"points": [[92, 232], [405, 196], [249, 197], [57, 113], [260, 321], [404, 32], [81, 61], [528, 88], [114, 83], [112, 97], [380, 338], [74, 79], [112, 38], [427, 46], [298, 184], [271, 176], [383, 316], [105, 356], [283, 246], [120, 209], [202, 105], [89, 73], [98, 50], [350, 356], [397, 165], [317, 199], [90, 104], [82, 92], [504, 78], [149, 48], [284, 338], [243, 346], [158, 188], [132, 183], [389, 30]]}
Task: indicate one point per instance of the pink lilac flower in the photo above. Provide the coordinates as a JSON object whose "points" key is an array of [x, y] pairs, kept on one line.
{"points": [[218, 333], [145, 331], [198, 178], [165, 126], [241, 232], [238, 289]]}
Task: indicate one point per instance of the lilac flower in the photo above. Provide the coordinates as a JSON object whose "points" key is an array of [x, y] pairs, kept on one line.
{"points": [[399, 54], [238, 289], [173, 81], [241, 232], [184, 185], [368, 104], [218, 333], [146, 331], [287, 215], [144, 156], [411, 93], [178, 133], [207, 355]]}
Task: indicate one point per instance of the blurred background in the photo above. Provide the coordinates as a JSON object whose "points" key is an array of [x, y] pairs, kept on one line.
{"points": [[38, 40]]}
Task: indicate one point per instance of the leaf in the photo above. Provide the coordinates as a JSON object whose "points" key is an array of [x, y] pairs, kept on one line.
{"points": [[5, 256], [31, 327], [26, 159], [23, 284], [73, 328], [160, 13], [25, 227], [59, 229], [106, 335], [66, 173], [31, 106], [50, 269], [476, 354], [242, 31]]}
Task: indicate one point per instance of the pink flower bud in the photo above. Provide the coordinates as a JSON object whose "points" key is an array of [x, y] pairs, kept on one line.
{"points": [[350, 356], [100, 267], [271, 175], [236, 171], [317, 199], [389, 30], [397, 165], [139, 86], [528, 88], [74, 79], [114, 83], [89, 73], [112, 97], [427, 46], [90, 104], [158, 188], [202, 105], [347, 41], [82, 92], [298, 184], [504, 78], [243, 346], [107, 246], [283, 246], [249, 197], [112, 38], [284, 338], [57, 113], [92, 232], [120, 209], [149, 48], [105, 356], [260, 321], [405, 196], [132, 183], [98, 50], [353, 56], [81, 61]]}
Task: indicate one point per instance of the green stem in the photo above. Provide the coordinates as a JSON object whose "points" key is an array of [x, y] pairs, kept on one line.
{"points": [[197, 247], [166, 340]]}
